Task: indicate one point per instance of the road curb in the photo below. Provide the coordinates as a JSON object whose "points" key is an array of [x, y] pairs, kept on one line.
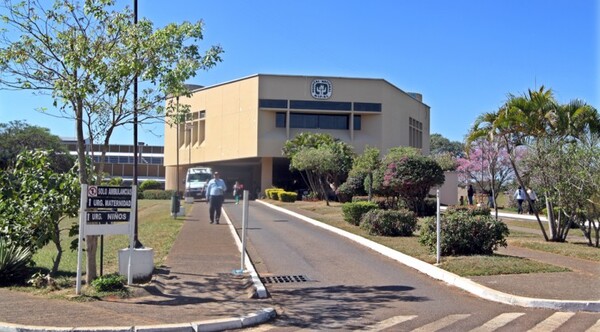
{"points": [[448, 277], [222, 324], [259, 287]]}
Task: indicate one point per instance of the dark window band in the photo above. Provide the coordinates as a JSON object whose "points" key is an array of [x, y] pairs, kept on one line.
{"points": [[272, 103], [367, 107], [317, 121], [321, 105]]}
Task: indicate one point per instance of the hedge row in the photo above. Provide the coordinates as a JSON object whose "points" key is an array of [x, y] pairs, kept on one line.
{"points": [[155, 194], [279, 194]]}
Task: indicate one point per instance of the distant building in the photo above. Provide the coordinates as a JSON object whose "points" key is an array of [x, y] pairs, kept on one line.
{"points": [[119, 160], [239, 128]]}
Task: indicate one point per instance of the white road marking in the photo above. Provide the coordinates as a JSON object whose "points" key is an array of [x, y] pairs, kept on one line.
{"points": [[441, 323], [553, 322], [595, 327], [389, 323], [498, 321]]}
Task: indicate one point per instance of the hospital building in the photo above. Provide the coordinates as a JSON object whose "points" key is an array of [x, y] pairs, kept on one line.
{"points": [[239, 127]]}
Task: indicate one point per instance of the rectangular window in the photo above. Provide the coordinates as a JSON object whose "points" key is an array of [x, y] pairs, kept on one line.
{"points": [[367, 107], [357, 124], [300, 120], [333, 122], [321, 105], [280, 120], [316, 121], [272, 103], [416, 133]]}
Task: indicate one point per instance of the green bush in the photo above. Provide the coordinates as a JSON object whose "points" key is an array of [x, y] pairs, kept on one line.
{"points": [[273, 193], [288, 196], [109, 283], [472, 210], [156, 194], [116, 181], [354, 211], [465, 234], [352, 187], [389, 222], [14, 262], [150, 185]]}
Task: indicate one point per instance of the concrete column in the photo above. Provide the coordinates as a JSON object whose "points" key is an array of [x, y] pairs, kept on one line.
{"points": [[266, 174], [170, 177]]}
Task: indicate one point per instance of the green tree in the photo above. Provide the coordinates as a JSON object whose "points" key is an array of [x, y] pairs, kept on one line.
{"points": [[18, 136], [411, 178], [323, 160], [365, 165], [33, 201], [88, 55], [441, 145]]}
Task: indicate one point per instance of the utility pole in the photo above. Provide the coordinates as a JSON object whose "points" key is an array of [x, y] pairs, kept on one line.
{"points": [[136, 240]]}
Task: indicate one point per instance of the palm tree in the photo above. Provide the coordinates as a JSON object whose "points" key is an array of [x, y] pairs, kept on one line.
{"points": [[533, 119], [519, 121]]}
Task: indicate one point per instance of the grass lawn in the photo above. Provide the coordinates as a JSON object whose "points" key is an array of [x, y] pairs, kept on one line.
{"points": [[156, 229], [461, 265]]}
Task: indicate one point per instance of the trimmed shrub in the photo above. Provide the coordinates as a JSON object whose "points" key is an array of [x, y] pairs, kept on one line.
{"points": [[150, 185], [465, 234], [156, 194], [354, 211], [286, 196], [273, 193], [352, 187], [14, 262], [389, 222], [109, 283], [360, 199]]}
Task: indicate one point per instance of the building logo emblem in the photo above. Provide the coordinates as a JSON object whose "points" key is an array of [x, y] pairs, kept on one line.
{"points": [[321, 89]]}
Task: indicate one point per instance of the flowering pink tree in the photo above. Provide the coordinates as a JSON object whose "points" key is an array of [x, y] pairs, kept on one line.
{"points": [[487, 166]]}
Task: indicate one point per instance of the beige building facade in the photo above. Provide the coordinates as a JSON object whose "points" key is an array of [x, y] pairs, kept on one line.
{"points": [[239, 127]]}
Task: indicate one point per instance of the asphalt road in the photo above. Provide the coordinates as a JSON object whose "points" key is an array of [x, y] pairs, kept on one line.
{"points": [[344, 286]]}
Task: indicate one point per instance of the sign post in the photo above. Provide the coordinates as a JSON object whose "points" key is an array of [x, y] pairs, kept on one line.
{"points": [[438, 230], [101, 214]]}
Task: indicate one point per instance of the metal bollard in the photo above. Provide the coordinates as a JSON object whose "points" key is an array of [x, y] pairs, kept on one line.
{"points": [[174, 205]]}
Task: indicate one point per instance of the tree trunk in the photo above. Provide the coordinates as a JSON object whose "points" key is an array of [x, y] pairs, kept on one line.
{"points": [[83, 179], [59, 250], [370, 197]]}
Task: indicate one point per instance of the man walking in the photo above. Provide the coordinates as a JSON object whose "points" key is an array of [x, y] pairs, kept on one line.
{"points": [[214, 196]]}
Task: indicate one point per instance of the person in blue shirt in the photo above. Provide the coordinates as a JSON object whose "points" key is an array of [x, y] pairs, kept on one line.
{"points": [[214, 196]]}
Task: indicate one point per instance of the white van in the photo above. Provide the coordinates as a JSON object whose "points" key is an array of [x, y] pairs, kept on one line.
{"points": [[196, 180]]}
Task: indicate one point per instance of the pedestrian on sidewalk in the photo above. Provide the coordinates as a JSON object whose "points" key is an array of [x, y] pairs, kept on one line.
{"points": [[470, 193], [519, 195], [490, 199], [533, 197], [238, 189], [215, 190]]}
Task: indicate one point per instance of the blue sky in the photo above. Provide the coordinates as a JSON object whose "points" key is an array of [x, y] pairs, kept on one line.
{"points": [[464, 56]]}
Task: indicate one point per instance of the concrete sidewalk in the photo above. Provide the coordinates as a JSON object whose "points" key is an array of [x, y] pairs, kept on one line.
{"points": [[195, 289]]}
